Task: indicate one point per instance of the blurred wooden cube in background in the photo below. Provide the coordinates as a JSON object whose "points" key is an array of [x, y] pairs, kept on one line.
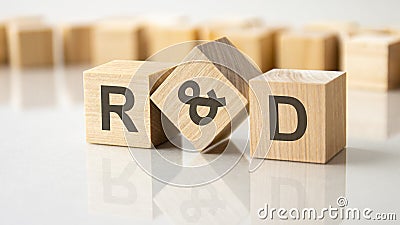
{"points": [[343, 30], [215, 24], [307, 50], [13, 21], [30, 45], [372, 61], [117, 39], [3, 43], [160, 36], [256, 42], [77, 43], [394, 30], [347, 27]]}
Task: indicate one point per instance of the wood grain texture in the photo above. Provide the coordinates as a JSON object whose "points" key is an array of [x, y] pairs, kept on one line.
{"points": [[307, 50], [77, 43], [30, 45], [139, 77], [323, 95], [117, 40], [372, 62], [203, 65], [256, 42]]}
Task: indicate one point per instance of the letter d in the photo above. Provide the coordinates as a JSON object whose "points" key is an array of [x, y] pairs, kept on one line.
{"points": [[275, 134]]}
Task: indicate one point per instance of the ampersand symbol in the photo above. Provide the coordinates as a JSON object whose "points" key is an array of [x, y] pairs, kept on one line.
{"points": [[212, 102]]}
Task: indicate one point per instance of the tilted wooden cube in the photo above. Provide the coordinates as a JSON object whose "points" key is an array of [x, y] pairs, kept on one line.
{"points": [[30, 45], [160, 36], [119, 39], [372, 62], [256, 42], [303, 117], [203, 99], [3, 43], [117, 103], [307, 50], [77, 43]]}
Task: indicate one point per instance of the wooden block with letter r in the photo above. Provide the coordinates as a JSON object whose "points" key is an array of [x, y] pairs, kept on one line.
{"points": [[30, 45], [372, 62], [117, 103], [77, 43], [302, 118], [308, 51], [206, 95]]}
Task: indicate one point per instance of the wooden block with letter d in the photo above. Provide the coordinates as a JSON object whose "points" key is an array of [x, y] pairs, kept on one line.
{"points": [[30, 45], [372, 62], [117, 103], [77, 43], [308, 51], [302, 118], [206, 95]]}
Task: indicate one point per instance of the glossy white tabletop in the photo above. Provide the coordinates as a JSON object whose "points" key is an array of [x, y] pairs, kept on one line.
{"points": [[50, 175]]}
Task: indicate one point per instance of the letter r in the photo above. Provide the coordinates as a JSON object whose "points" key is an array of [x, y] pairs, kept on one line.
{"points": [[120, 110]]}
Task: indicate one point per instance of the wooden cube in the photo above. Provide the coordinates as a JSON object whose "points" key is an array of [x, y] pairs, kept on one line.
{"points": [[3, 43], [160, 36], [343, 30], [77, 43], [207, 27], [307, 50], [303, 117], [347, 27], [117, 103], [30, 45], [184, 97], [117, 40], [32, 20], [372, 62], [256, 42], [394, 30]]}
